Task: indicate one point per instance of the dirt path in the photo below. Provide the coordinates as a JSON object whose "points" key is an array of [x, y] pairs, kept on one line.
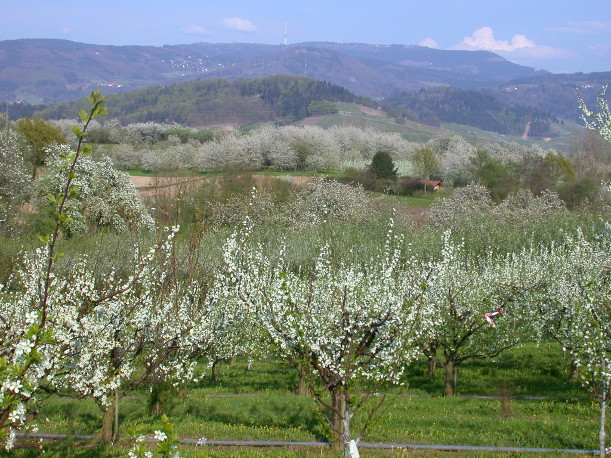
{"points": [[526, 131], [142, 182], [149, 186]]}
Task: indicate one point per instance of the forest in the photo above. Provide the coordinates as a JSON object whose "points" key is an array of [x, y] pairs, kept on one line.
{"points": [[474, 109]]}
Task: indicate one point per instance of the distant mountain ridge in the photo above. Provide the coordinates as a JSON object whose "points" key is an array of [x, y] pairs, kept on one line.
{"points": [[50, 70], [525, 100]]}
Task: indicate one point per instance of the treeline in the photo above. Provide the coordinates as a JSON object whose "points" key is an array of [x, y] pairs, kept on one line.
{"points": [[19, 110], [208, 102], [448, 104]]}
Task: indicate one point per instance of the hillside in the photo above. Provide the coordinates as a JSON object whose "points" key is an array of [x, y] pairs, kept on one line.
{"points": [[475, 109], [210, 102], [555, 94], [45, 71], [365, 117]]}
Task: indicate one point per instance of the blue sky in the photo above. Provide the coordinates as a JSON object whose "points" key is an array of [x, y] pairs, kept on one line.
{"points": [[556, 35]]}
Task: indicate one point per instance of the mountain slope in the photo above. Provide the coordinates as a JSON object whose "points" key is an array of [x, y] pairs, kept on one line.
{"points": [[480, 64]]}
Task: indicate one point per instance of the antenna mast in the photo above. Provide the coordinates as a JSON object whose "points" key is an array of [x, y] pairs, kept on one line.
{"points": [[285, 24]]}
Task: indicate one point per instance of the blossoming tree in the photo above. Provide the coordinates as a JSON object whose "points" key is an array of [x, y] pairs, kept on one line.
{"points": [[600, 121], [28, 351], [577, 311], [478, 306], [341, 325]]}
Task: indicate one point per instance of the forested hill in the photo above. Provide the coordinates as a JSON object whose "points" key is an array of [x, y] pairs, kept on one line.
{"points": [[554, 93], [213, 101], [472, 108]]}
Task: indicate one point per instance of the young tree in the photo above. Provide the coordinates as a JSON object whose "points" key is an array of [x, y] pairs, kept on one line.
{"points": [[577, 312], [117, 334], [39, 135], [340, 325], [28, 351], [106, 197], [463, 295], [328, 200], [425, 163], [462, 205]]}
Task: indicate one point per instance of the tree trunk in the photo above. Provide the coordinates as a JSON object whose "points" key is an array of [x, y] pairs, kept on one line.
{"points": [[431, 366], [157, 398], [603, 411], [213, 375], [107, 422], [337, 419], [603, 415], [450, 380], [302, 386], [116, 432], [350, 448], [574, 377], [431, 352]]}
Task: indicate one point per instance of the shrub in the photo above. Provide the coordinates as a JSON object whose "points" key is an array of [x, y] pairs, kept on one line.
{"points": [[578, 192]]}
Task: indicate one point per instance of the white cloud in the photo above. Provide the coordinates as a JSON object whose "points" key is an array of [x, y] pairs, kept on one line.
{"points": [[429, 43], [65, 30], [582, 27], [521, 49], [483, 38], [241, 25], [195, 30]]}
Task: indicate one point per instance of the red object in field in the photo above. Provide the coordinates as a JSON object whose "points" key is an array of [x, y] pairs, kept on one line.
{"points": [[489, 316]]}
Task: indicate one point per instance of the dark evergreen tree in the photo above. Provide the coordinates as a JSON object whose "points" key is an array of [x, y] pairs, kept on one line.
{"points": [[383, 167]]}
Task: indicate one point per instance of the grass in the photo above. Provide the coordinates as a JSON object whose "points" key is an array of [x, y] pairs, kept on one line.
{"points": [[415, 202], [268, 410]]}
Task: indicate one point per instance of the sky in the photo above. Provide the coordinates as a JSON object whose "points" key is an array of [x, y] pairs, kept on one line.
{"points": [[556, 35]]}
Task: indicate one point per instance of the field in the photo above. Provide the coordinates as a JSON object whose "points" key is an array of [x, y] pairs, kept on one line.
{"points": [[523, 399]]}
